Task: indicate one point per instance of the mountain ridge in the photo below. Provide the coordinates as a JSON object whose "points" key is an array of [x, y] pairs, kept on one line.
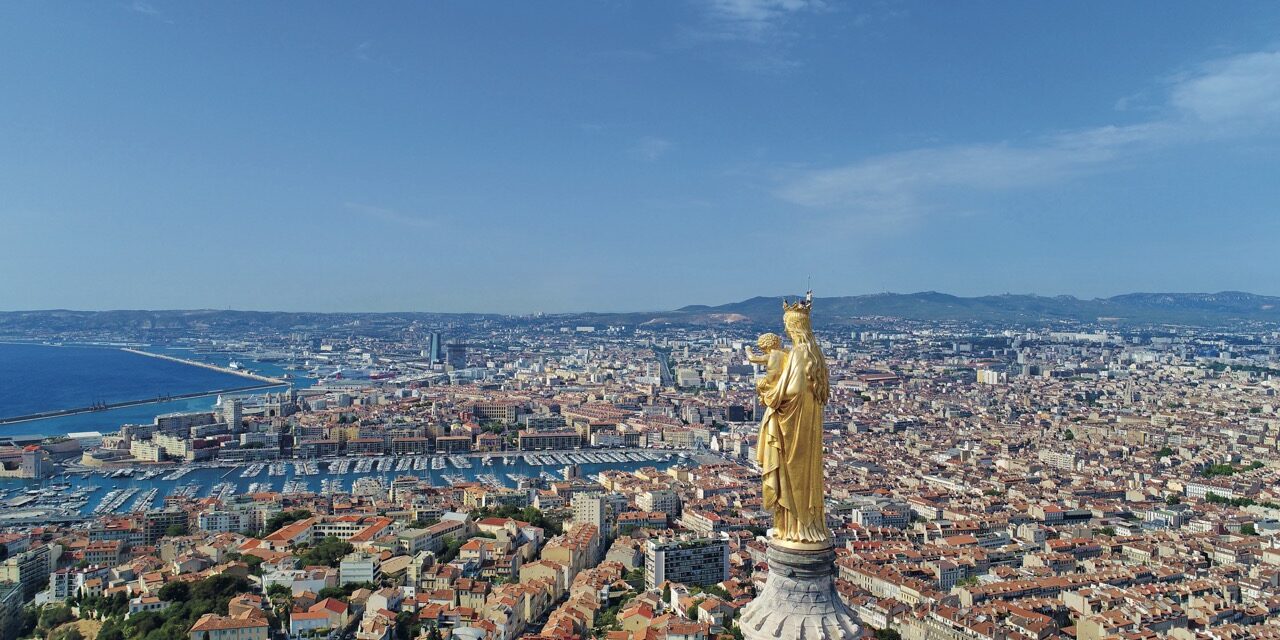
{"points": [[1223, 307], [1196, 309]]}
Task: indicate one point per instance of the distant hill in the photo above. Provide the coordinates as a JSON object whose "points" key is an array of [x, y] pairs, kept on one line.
{"points": [[1194, 309], [1198, 309]]}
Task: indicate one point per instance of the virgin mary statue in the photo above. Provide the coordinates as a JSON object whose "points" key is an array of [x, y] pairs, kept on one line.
{"points": [[790, 447]]}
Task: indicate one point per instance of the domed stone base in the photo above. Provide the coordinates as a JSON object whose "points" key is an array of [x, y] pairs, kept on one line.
{"points": [[799, 600]]}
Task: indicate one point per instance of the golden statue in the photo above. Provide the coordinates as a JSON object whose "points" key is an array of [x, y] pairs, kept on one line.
{"points": [[794, 390]]}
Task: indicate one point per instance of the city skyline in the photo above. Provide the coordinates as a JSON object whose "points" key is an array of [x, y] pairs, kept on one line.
{"points": [[623, 157]]}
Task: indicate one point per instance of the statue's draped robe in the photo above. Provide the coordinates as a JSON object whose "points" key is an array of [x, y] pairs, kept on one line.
{"points": [[790, 454]]}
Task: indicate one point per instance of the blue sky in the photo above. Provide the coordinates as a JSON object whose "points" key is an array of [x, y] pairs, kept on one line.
{"points": [[553, 156]]}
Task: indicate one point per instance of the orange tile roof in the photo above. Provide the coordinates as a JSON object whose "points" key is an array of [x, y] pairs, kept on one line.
{"points": [[213, 622], [291, 531]]}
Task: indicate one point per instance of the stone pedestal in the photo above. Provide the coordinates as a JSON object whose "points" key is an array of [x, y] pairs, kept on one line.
{"points": [[799, 601]]}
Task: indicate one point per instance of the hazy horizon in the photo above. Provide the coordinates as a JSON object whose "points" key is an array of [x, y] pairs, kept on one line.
{"points": [[817, 296]]}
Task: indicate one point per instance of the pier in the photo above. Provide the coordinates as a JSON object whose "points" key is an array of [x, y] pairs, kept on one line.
{"points": [[205, 365]]}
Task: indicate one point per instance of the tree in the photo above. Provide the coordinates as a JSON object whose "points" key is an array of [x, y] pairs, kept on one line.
{"points": [[27, 621], [116, 606], [1069, 435], [1248, 529], [279, 590], [144, 623], [606, 621], [327, 553], [887, 634], [52, 617], [692, 612], [174, 592], [1215, 470], [210, 595], [339, 593], [175, 530], [332, 592], [407, 626], [110, 630], [1172, 499], [450, 551], [532, 515], [254, 563]]}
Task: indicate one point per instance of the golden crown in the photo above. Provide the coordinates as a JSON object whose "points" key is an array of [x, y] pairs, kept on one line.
{"points": [[801, 306]]}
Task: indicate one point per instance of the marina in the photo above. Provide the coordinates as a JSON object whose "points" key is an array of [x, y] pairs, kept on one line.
{"points": [[135, 490]]}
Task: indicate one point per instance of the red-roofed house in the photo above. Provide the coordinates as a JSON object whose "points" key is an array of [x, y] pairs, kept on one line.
{"points": [[248, 626]]}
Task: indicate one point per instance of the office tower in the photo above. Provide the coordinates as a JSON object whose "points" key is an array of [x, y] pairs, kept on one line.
{"points": [[435, 349], [456, 355]]}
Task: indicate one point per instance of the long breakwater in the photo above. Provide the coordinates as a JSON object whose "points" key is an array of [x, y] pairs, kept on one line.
{"points": [[261, 382], [132, 403], [206, 365]]}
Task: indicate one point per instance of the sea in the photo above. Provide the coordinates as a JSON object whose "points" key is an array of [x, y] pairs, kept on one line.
{"points": [[36, 378]]}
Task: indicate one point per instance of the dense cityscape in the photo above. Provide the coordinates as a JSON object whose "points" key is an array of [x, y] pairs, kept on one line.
{"points": [[512, 478], [617, 320]]}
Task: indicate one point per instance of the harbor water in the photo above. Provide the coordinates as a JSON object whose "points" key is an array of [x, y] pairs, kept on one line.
{"points": [[35, 378], [139, 488]]}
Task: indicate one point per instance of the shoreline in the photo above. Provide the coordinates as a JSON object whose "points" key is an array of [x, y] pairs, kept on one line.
{"points": [[95, 345]]}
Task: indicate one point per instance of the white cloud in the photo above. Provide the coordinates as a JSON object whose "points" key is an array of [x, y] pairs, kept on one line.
{"points": [[362, 51], [390, 215], [755, 35], [1241, 88], [145, 8], [650, 148], [753, 19], [1221, 100], [142, 7]]}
